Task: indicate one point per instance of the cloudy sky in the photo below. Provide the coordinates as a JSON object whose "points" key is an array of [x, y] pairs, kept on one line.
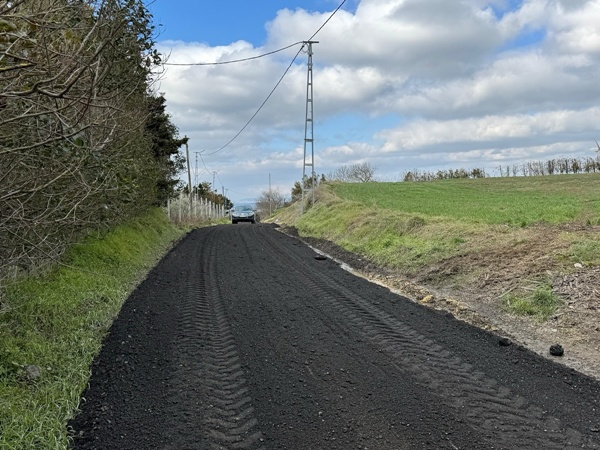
{"points": [[401, 84]]}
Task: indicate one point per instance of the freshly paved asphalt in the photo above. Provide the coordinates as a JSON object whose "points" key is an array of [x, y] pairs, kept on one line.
{"points": [[241, 339]]}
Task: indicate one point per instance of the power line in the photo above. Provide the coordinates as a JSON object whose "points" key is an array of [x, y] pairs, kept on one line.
{"points": [[260, 107], [234, 60], [278, 82], [218, 178], [328, 19], [261, 55], [203, 163]]}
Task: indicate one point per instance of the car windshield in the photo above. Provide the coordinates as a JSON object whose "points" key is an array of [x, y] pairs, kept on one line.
{"points": [[243, 208]]}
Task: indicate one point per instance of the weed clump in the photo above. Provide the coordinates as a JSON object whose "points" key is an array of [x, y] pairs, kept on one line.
{"points": [[540, 303]]}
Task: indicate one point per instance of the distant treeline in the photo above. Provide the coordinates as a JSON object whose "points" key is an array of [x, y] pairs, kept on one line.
{"points": [[528, 169], [552, 167]]}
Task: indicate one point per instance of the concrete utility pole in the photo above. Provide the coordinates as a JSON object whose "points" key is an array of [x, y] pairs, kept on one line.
{"points": [[309, 128], [213, 187], [187, 158], [196, 173], [270, 196]]}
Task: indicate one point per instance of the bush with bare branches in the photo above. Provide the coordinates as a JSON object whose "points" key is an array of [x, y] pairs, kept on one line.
{"points": [[75, 153]]}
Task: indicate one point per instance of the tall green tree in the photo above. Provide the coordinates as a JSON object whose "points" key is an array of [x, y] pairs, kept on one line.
{"points": [[165, 147]]}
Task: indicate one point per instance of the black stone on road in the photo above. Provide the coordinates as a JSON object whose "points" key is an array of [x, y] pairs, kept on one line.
{"points": [[241, 339]]}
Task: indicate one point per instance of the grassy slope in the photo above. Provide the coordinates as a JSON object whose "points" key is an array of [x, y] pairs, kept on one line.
{"points": [[409, 225], [56, 322], [405, 240], [412, 226]]}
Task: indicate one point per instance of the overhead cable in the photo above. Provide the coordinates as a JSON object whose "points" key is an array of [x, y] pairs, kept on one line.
{"points": [[278, 82], [222, 185], [261, 55], [203, 163], [328, 19], [234, 60], [260, 107]]}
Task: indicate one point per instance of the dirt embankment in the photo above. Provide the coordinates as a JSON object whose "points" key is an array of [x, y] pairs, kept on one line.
{"points": [[472, 286]]}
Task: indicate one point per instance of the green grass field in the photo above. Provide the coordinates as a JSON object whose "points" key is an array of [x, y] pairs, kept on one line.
{"points": [[56, 322], [516, 201], [460, 226]]}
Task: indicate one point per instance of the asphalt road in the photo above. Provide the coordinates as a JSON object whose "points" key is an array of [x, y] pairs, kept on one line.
{"points": [[241, 339]]}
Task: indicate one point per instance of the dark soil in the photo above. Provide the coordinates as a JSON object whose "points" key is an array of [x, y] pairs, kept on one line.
{"points": [[241, 338]]}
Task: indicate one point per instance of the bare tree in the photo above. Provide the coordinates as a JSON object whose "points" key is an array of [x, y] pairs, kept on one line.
{"points": [[363, 172], [269, 201], [342, 173], [354, 173]]}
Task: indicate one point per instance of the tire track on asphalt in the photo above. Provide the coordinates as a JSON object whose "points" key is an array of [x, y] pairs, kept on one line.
{"points": [[211, 392], [511, 421]]}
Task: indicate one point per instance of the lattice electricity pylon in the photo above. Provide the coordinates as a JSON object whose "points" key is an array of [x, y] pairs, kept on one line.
{"points": [[309, 138]]}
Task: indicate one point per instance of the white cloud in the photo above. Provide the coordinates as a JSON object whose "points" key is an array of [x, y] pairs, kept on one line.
{"points": [[459, 76], [574, 27], [542, 126], [425, 37]]}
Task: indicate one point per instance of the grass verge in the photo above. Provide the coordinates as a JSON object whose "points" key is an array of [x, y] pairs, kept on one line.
{"points": [[409, 226], [407, 241], [52, 326]]}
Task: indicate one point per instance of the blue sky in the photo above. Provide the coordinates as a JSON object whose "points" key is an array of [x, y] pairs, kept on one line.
{"points": [[401, 84], [224, 21]]}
